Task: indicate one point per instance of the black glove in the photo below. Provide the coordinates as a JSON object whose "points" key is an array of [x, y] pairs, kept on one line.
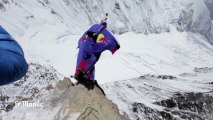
{"points": [[118, 46]]}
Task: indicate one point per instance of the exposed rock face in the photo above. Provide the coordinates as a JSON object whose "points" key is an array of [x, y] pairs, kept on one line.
{"points": [[165, 97], [157, 76], [140, 16], [92, 104], [30, 87], [57, 97], [203, 70], [189, 106]]}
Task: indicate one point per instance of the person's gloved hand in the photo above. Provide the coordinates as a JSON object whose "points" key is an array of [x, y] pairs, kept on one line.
{"points": [[118, 46]]}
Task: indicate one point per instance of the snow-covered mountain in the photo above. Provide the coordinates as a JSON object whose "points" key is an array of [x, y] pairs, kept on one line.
{"points": [[49, 31], [34, 87], [165, 97], [151, 16], [44, 94], [165, 51]]}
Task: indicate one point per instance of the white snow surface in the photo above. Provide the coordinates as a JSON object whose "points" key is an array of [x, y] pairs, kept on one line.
{"points": [[157, 37], [167, 53], [49, 31], [150, 88], [33, 90]]}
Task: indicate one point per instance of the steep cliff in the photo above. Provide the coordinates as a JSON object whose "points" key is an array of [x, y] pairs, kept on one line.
{"points": [[45, 95]]}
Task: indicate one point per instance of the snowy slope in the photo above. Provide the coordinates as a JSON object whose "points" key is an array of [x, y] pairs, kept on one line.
{"points": [[33, 88], [49, 31], [166, 53], [151, 16], [165, 97], [44, 94], [157, 37]]}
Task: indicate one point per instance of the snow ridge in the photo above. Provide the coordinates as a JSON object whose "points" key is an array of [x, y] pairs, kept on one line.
{"points": [[146, 17]]}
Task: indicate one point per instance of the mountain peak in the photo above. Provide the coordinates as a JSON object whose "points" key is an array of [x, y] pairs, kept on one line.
{"points": [[90, 103], [45, 93]]}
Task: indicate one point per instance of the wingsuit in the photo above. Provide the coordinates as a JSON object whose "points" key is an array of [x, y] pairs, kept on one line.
{"points": [[13, 65], [92, 43]]}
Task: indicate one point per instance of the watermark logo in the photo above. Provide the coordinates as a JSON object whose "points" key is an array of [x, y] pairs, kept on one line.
{"points": [[28, 104]]}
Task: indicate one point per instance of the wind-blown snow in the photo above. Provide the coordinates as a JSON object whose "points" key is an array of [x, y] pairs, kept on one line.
{"points": [[165, 53], [49, 32], [157, 37], [149, 90]]}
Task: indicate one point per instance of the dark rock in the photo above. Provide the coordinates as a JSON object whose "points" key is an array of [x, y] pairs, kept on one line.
{"points": [[142, 77], [4, 98], [9, 107], [2, 6], [168, 103], [117, 6], [5, 1], [148, 113], [165, 115], [49, 87], [203, 70], [167, 77], [191, 105], [188, 106], [129, 86], [158, 77]]}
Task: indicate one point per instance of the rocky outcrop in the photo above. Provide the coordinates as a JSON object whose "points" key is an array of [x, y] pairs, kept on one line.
{"points": [[188, 106], [90, 103], [165, 97], [44, 94], [148, 76], [203, 69], [38, 80]]}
